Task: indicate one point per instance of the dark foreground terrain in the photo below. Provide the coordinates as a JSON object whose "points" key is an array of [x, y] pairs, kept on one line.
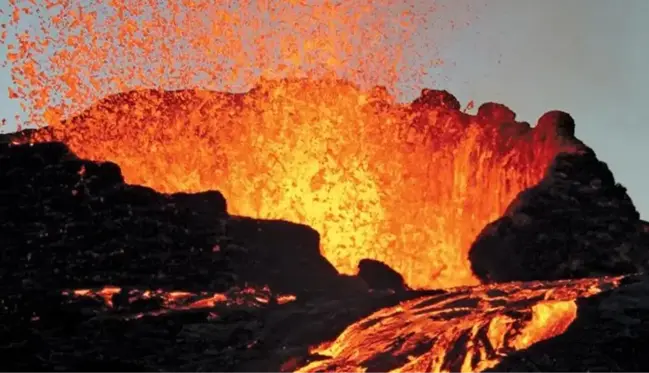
{"points": [[98, 275]]}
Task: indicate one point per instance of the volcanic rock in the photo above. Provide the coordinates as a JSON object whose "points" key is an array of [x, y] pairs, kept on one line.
{"points": [[69, 223], [379, 276], [577, 222], [433, 98], [89, 228], [72, 222], [555, 123], [492, 111]]}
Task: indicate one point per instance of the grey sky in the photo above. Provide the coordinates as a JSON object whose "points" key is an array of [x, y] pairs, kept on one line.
{"points": [[587, 57]]}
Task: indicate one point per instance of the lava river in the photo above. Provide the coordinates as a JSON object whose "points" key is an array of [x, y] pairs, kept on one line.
{"points": [[467, 330]]}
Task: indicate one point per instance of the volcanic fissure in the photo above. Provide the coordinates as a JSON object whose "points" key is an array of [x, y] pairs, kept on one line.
{"points": [[230, 186], [408, 185]]}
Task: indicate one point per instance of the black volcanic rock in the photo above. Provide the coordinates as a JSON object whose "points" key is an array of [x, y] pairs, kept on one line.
{"points": [[379, 276], [555, 123], [496, 112], [433, 98], [576, 222], [68, 222], [504, 118]]}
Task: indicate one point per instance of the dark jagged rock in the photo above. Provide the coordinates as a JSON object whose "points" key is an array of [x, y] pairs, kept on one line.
{"points": [[504, 118], [433, 98], [556, 123], [292, 265], [576, 222], [496, 112], [379, 276], [80, 221], [69, 223], [72, 223]]}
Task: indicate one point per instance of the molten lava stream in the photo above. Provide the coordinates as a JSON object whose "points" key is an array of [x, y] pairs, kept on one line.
{"points": [[182, 300], [468, 330], [409, 187]]}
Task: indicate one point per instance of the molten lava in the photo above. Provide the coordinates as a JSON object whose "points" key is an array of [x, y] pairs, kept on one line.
{"points": [[467, 330], [182, 300], [409, 186]]}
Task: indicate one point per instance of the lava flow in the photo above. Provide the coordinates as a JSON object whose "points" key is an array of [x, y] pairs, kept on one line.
{"points": [[463, 331], [317, 142], [165, 301]]}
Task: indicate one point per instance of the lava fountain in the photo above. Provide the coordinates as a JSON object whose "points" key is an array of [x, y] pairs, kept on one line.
{"points": [[410, 185]]}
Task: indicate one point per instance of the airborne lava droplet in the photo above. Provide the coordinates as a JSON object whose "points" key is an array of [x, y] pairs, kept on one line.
{"points": [[314, 139], [373, 181], [314, 151]]}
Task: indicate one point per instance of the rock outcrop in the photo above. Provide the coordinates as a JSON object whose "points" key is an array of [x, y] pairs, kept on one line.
{"points": [[70, 223], [577, 222], [432, 98]]}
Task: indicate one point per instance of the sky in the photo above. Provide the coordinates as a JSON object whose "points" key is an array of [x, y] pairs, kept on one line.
{"points": [[586, 57]]}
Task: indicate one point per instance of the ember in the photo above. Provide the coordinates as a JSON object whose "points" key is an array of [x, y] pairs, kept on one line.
{"points": [[315, 151]]}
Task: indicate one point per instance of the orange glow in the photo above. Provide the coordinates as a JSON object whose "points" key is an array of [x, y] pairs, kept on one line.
{"points": [[182, 300], [317, 153], [105, 293], [65, 55], [314, 140], [548, 320], [411, 188], [523, 314], [376, 179]]}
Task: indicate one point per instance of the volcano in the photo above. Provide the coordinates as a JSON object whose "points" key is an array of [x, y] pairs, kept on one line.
{"points": [[401, 184], [316, 226]]}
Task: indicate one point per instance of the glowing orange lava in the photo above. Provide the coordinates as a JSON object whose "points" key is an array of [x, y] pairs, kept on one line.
{"points": [[313, 140], [379, 180], [183, 300], [467, 331], [411, 188]]}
